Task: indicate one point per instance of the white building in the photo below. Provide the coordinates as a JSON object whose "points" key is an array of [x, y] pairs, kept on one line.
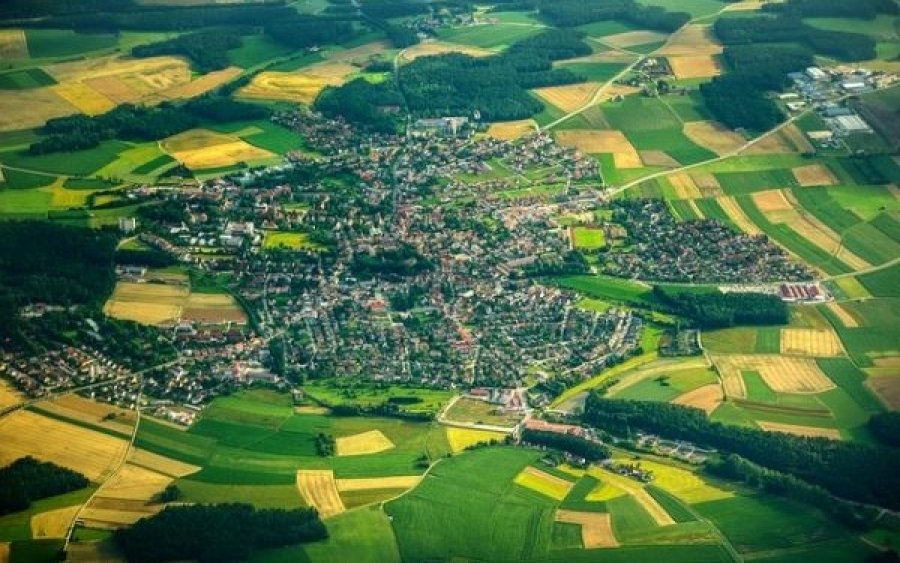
{"points": [[816, 73], [851, 124]]}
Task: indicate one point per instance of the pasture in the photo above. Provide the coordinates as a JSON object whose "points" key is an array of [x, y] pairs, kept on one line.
{"points": [[481, 412], [587, 237]]}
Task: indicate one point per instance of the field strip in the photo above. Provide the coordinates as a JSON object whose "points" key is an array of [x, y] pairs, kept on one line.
{"points": [[818, 342], [462, 438], [814, 175], [544, 483], [401, 482], [800, 430], [736, 214], [714, 136], [647, 502], [843, 315], [784, 374], [318, 489], [815, 231], [596, 527], [53, 523], [602, 141], [663, 366], [370, 442], [708, 398]]}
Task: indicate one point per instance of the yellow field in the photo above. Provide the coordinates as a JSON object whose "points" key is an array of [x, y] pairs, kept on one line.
{"points": [[125, 498], [85, 98], [432, 48], [784, 374], [852, 288], [91, 412], [26, 109], [596, 527], [462, 438], [146, 303], [658, 158], [800, 430], [887, 387], [798, 138], [4, 552], [113, 88], [202, 148], [544, 483], [684, 484], [91, 453], [9, 396], [707, 398], [707, 183], [596, 141], [713, 136], [13, 44], [847, 320], [202, 85], [570, 97], [692, 40], [145, 76], [402, 482], [632, 38], [637, 491], [772, 200], [318, 489], [370, 442], [512, 130], [132, 482], [731, 208], [696, 66], [814, 175], [112, 514], [810, 342], [53, 523], [604, 492], [301, 86], [684, 186], [161, 464]]}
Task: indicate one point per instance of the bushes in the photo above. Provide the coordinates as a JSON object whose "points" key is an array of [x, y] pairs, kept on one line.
{"points": [[27, 479]]}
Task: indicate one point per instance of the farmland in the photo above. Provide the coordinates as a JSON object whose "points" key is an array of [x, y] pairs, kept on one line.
{"points": [[155, 304]]}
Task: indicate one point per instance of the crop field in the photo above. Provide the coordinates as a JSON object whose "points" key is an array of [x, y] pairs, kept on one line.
{"points": [[887, 387], [638, 493], [370, 442], [125, 498], [882, 283], [874, 343], [202, 148], [462, 438], [83, 97], [799, 430], [713, 136], [602, 141], [91, 453], [301, 86], [53, 523], [478, 411], [161, 464], [782, 374], [568, 98], [13, 44], [658, 158], [685, 484], [707, 398], [25, 78], [810, 342], [587, 237], [696, 66], [628, 39], [290, 240], [512, 130], [433, 48], [319, 490], [81, 410], [692, 40], [596, 527], [488, 36], [26, 109], [544, 483], [814, 175], [9, 396], [146, 303]]}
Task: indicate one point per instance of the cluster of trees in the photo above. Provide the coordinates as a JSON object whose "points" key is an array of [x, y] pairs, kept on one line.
{"points": [[571, 13], [140, 123], [212, 533], [14, 9], [383, 9], [208, 50], [363, 103], [767, 65], [774, 482], [886, 427], [27, 479], [304, 32], [150, 258], [325, 444], [591, 451], [400, 262], [860, 9], [850, 470], [717, 309]]}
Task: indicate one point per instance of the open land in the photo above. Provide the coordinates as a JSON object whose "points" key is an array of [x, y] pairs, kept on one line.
{"points": [[370, 442], [570, 97], [300, 86], [810, 342], [602, 141], [319, 490], [512, 130], [596, 527], [799, 430], [202, 148], [781, 373], [713, 136]]}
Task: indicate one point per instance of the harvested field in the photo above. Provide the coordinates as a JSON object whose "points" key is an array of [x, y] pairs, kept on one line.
{"points": [[132, 482], [301, 86], [161, 464], [91, 453], [146, 303], [440, 48], [512, 130], [708, 398], [462, 438], [203, 84], [370, 442], [25, 109], [770, 144], [200, 148], [72, 406], [810, 342], [632, 38], [707, 183], [212, 308], [698, 66], [692, 40], [53, 523], [843, 315], [13, 44], [544, 483], [146, 76], [647, 502], [596, 527], [737, 215], [784, 374], [814, 175], [771, 200], [684, 186], [318, 489], [798, 138], [9, 396], [85, 98], [112, 514], [403, 482], [658, 158], [4, 552], [602, 141], [714, 136], [799, 430], [113, 88], [360, 54], [568, 98], [887, 387]]}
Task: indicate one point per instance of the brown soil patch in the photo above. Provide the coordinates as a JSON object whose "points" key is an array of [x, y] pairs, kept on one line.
{"points": [[72, 406], [887, 387], [596, 527], [843, 315], [132, 482], [810, 342], [511, 130], [440, 48], [814, 175], [113, 88], [692, 40], [203, 84], [800, 430], [85, 98], [707, 398], [632, 38], [684, 186], [370, 442], [797, 138], [771, 200], [302, 86], [698, 66], [714, 136], [784, 374], [658, 158], [318, 489], [731, 208], [53, 523], [569, 98], [13, 44], [707, 183], [770, 144], [26, 109], [602, 141], [161, 464], [403, 482]]}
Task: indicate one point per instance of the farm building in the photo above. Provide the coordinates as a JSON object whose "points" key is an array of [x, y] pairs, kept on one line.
{"points": [[851, 124]]}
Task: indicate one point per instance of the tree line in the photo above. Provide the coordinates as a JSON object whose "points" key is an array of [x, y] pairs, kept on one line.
{"points": [[718, 310], [208, 50], [212, 533], [850, 470], [591, 451], [26, 480], [571, 13], [859, 9]]}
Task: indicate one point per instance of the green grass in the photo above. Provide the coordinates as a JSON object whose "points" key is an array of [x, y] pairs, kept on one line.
{"points": [[566, 536], [487, 36], [689, 108], [685, 380], [768, 340], [606, 27], [866, 202], [673, 142], [589, 238], [842, 550], [24, 79], [876, 337], [271, 136], [819, 203], [78, 163], [19, 180], [612, 289], [497, 520], [696, 8], [87, 184], [49, 43], [671, 504], [883, 283], [575, 500], [882, 28], [517, 17], [874, 241], [737, 340], [712, 210], [739, 183], [268, 496], [628, 518], [151, 165], [683, 210], [289, 240], [336, 392], [256, 49], [17, 526], [650, 389], [640, 114], [757, 389]]}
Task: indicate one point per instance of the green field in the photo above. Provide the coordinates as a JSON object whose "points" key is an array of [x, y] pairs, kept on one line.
{"points": [[882, 28], [696, 8], [256, 49], [49, 43], [605, 27], [24, 79], [289, 240], [79, 163], [653, 389], [740, 183], [595, 72], [480, 412], [639, 114], [883, 283], [876, 337], [589, 238], [607, 288], [673, 142], [17, 526], [264, 134], [487, 36], [337, 392]]}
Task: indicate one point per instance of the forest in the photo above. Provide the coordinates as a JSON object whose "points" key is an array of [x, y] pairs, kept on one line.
{"points": [[861, 9], [591, 451], [885, 427], [207, 50], [391, 263], [571, 13], [849, 470], [718, 310], [27, 479], [213, 533]]}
